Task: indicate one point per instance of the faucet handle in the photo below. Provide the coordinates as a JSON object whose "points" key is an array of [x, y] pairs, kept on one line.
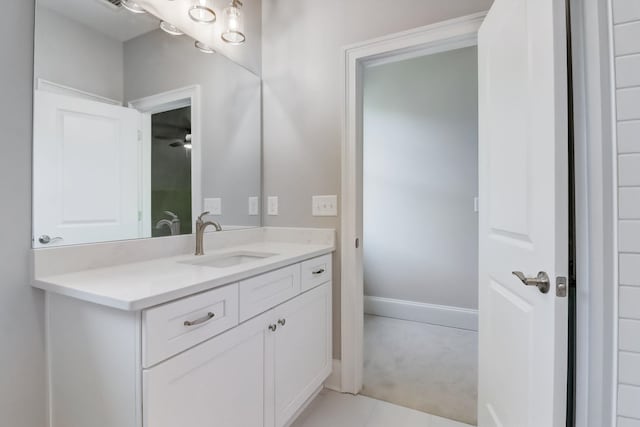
{"points": [[171, 214], [203, 214]]}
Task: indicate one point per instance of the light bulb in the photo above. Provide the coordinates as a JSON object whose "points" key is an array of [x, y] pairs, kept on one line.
{"points": [[204, 48], [170, 29], [132, 6], [201, 12], [232, 24]]}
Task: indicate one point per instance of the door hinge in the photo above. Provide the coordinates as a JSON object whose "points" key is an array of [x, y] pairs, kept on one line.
{"points": [[561, 286], [139, 135], [357, 242], [139, 216]]}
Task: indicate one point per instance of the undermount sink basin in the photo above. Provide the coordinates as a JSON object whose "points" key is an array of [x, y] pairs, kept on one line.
{"points": [[229, 259]]}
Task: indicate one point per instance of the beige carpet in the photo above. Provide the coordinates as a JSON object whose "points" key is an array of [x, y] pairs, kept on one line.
{"points": [[420, 366]]}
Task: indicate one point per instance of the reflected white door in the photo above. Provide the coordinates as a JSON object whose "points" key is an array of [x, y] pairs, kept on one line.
{"points": [[86, 171], [523, 213]]}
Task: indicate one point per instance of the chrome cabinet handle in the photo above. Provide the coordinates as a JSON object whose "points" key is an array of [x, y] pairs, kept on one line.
{"points": [[273, 328], [541, 281], [199, 321], [282, 322], [45, 239], [315, 273]]}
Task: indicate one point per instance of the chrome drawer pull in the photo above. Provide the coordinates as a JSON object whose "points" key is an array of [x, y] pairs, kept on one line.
{"points": [[317, 272], [282, 322], [204, 319]]}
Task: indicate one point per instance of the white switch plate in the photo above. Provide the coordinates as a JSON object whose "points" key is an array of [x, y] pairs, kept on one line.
{"points": [[325, 205], [253, 206], [272, 205], [213, 206]]}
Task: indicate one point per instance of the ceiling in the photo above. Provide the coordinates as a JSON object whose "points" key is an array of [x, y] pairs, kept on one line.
{"points": [[117, 23]]}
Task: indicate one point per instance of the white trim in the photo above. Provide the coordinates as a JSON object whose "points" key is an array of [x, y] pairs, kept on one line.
{"points": [[443, 315], [333, 382], [614, 188], [595, 161], [52, 87], [158, 103], [429, 39]]}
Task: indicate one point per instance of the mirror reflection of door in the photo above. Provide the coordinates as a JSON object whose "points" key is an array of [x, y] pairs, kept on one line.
{"points": [[171, 172]]}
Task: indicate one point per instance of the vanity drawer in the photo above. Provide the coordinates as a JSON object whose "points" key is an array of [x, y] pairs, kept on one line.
{"points": [[263, 292], [176, 326], [315, 272]]}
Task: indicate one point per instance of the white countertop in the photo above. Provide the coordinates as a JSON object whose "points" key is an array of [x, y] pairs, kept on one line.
{"points": [[140, 285]]}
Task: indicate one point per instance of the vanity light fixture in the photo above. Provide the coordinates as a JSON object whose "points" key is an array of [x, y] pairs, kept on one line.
{"points": [[233, 23], [204, 48], [201, 12], [169, 28], [132, 6]]}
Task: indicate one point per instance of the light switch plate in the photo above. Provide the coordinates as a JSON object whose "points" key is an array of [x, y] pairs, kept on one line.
{"points": [[272, 205], [213, 206], [325, 205]]}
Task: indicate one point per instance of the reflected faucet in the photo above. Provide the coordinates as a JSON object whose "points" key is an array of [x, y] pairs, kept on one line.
{"points": [[173, 224], [200, 228]]}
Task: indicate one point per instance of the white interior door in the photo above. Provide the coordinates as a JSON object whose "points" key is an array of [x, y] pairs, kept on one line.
{"points": [[523, 213], [86, 171]]}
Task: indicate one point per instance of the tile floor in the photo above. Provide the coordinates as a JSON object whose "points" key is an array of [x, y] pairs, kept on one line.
{"points": [[426, 367], [332, 409]]}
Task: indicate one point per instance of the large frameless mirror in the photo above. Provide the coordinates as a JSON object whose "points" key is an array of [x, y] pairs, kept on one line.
{"points": [[136, 130]]}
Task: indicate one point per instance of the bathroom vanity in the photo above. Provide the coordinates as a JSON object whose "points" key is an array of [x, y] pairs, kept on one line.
{"points": [[138, 145], [239, 337]]}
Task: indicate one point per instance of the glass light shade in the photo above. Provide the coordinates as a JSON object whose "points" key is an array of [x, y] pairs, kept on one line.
{"points": [[204, 48], [233, 25], [170, 28], [132, 6], [201, 12]]}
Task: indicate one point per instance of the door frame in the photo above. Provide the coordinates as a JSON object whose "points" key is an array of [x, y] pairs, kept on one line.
{"points": [[439, 37], [595, 163], [596, 212], [159, 103]]}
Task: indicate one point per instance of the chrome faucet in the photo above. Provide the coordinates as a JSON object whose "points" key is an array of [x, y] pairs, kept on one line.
{"points": [[200, 227], [173, 224]]}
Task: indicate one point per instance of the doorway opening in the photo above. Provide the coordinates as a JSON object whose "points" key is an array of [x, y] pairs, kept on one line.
{"points": [[171, 145], [420, 232], [524, 308], [171, 153]]}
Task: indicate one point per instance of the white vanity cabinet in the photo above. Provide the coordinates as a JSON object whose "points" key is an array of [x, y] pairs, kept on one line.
{"points": [[222, 382], [301, 350], [227, 357]]}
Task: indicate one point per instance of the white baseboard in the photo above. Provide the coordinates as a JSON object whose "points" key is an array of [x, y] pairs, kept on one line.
{"points": [[455, 317], [334, 382]]}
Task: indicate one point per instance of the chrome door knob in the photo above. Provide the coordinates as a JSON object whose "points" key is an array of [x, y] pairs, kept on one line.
{"points": [[273, 328], [282, 322], [541, 281], [45, 239]]}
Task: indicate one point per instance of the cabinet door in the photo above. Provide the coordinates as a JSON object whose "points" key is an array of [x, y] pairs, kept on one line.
{"points": [[221, 382], [302, 350]]}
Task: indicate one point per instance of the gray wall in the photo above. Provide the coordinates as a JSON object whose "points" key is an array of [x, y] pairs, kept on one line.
{"points": [[231, 156], [22, 358], [420, 176], [301, 56], [75, 55]]}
